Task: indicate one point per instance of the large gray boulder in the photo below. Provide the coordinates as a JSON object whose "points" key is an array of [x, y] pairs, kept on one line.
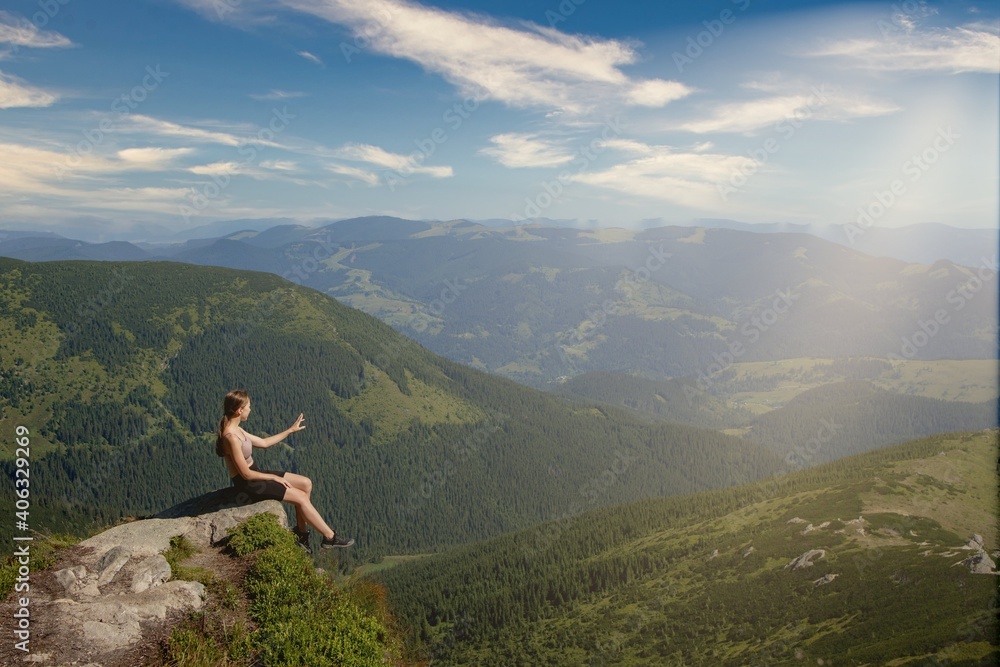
{"points": [[980, 563], [109, 589]]}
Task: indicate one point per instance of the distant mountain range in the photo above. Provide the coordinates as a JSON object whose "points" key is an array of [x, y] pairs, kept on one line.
{"points": [[540, 303], [923, 243]]}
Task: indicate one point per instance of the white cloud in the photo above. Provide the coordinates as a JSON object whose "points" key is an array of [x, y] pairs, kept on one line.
{"points": [[216, 168], [533, 66], [526, 150], [363, 175], [79, 182], [16, 93], [404, 165], [279, 165], [152, 157], [684, 178], [628, 146], [18, 31], [656, 92], [165, 128], [311, 57], [814, 102], [971, 48], [274, 95]]}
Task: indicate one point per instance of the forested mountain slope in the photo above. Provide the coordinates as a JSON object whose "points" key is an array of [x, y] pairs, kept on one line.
{"points": [[118, 370], [863, 561]]}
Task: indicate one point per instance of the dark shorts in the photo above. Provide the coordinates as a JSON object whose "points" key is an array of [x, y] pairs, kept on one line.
{"points": [[260, 489]]}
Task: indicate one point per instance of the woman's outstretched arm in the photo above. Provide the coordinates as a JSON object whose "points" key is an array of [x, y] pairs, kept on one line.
{"points": [[264, 443]]}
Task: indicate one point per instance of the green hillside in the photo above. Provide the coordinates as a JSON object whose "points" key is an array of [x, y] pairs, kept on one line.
{"points": [[706, 579], [677, 401], [810, 411], [118, 371], [855, 416]]}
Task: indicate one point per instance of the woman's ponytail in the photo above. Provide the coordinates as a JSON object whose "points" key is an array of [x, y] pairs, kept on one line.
{"points": [[219, 438]]}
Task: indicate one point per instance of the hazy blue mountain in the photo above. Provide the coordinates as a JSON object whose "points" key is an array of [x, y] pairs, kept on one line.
{"points": [[535, 303], [922, 243]]}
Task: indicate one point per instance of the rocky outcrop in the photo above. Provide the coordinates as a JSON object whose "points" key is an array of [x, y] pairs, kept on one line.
{"points": [[810, 528], [116, 583], [975, 543], [805, 560], [825, 579], [980, 563]]}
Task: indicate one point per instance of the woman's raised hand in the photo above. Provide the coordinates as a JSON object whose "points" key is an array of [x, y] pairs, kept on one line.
{"points": [[298, 425]]}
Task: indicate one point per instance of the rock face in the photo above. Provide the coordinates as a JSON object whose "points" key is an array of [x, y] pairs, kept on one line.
{"points": [[979, 562], [805, 560], [95, 608], [975, 544], [825, 579]]}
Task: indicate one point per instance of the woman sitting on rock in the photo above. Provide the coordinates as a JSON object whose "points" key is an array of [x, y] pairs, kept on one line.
{"points": [[236, 445]]}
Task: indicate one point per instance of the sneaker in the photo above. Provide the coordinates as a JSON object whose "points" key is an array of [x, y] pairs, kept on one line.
{"points": [[336, 542], [303, 540]]}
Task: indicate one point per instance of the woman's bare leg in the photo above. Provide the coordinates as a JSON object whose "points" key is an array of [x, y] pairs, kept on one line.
{"points": [[304, 511], [304, 484]]}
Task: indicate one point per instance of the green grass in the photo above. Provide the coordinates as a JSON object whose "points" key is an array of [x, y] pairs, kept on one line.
{"points": [[386, 563], [180, 550], [43, 551], [284, 613], [392, 412]]}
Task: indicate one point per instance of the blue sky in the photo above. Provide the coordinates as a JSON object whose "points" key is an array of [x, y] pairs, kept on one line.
{"points": [[119, 117]]}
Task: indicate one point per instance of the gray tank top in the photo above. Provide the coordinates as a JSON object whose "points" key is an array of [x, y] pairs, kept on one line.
{"points": [[245, 448]]}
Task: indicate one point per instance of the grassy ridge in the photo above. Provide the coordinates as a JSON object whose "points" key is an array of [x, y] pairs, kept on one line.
{"points": [[702, 580]]}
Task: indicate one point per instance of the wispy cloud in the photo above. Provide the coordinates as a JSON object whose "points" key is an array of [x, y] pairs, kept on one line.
{"points": [[275, 95], [404, 165], [15, 92], [970, 48], [662, 172], [216, 168], [163, 128], [527, 66], [787, 101], [526, 150], [311, 57], [363, 175], [152, 157], [91, 184], [279, 165], [18, 31]]}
